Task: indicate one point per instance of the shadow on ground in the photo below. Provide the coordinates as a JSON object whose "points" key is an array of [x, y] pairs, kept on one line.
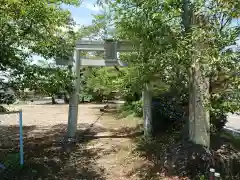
{"points": [[169, 156], [50, 156]]}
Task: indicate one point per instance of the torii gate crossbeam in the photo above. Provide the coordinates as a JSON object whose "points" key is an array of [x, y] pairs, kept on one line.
{"points": [[111, 48]]}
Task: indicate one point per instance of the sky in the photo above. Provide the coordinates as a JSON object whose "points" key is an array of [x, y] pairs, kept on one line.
{"points": [[83, 14]]}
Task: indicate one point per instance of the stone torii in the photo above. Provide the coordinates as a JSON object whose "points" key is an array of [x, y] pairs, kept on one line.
{"points": [[110, 48], [199, 115]]}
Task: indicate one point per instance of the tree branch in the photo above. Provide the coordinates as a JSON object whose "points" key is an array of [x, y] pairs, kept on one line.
{"points": [[223, 25], [118, 69]]}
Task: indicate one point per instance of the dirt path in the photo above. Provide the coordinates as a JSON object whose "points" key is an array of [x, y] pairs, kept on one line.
{"points": [[114, 147], [104, 149]]}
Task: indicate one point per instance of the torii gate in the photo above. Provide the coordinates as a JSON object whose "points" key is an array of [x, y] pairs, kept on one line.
{"points": [[199, 118], [111, 48]]}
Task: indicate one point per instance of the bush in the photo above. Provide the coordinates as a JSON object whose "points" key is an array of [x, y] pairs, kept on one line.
{"points": [[130, 108], [218, 121], [218, 113], [131, 97], [170, 110]]}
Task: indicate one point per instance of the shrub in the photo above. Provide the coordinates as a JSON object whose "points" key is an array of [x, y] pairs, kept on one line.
{"points": [[168, 112], [170, 109], [129, 108]]}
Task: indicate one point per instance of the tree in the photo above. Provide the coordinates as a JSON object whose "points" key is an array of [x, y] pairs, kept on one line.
{"points": [[42, 28], [31, 27], [164, 52], [45, 80]]}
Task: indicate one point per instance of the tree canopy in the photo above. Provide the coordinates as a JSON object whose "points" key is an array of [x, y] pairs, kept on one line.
{"points": [[32, 27], [40, 28], [163, 52], [164, 49]]}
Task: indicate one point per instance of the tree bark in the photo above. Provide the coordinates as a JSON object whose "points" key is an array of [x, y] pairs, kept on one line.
{"points": [[199, 118]]}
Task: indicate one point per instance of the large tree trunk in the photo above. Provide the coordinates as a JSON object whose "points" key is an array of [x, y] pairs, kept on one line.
{"points": [[199, 116], [199, 120]]}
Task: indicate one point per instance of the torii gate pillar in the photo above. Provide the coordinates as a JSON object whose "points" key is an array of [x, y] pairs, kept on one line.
{"points": [[110, 48]]}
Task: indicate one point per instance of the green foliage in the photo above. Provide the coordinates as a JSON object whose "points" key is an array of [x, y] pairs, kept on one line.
{"points": [[131, 108], [7, 94], [164, 54], [36, 27], [32, 27], [45, 80], [99, 83], [103, 80], [41, 28]]}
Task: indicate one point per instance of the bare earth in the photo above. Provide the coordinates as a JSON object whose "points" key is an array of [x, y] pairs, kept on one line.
{"points": [[104, 149]]}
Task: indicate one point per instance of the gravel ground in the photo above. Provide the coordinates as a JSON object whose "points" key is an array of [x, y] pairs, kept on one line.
{"points": [[104, 153]]}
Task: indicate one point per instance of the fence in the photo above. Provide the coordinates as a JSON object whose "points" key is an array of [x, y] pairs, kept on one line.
{"points": [[11, 141]]}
